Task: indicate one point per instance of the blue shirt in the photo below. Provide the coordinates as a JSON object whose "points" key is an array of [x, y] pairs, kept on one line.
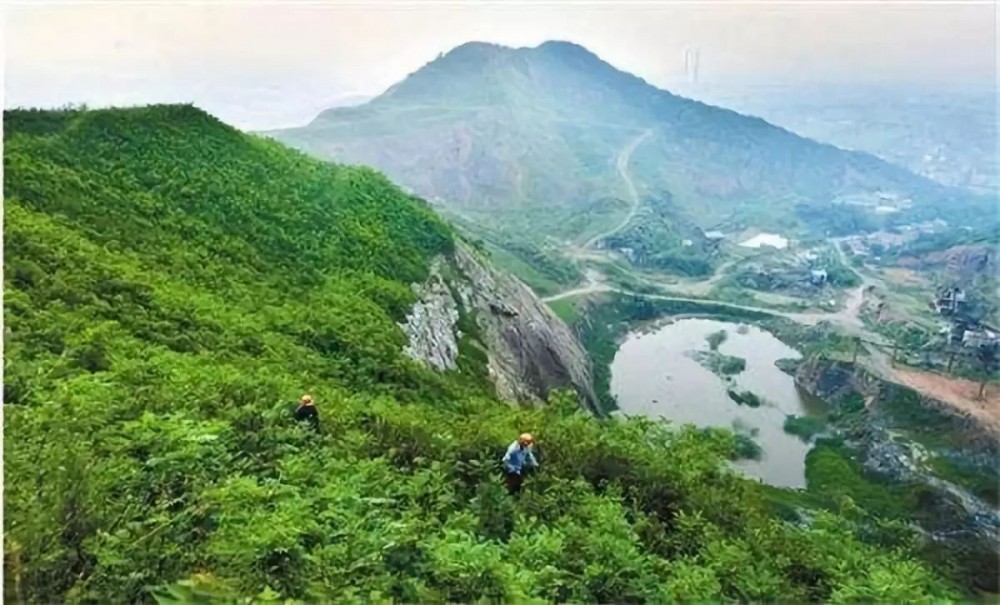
{"points": [[517, 456]]}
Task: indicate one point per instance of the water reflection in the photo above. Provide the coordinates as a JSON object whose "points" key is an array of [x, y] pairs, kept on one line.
{"points": [[653, 374]]}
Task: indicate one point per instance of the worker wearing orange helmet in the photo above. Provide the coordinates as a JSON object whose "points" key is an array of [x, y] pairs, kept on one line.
{"points": [[518, 459], [307, 411]]}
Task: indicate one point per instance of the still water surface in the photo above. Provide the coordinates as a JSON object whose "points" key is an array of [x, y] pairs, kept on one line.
{"points": [[653, 375]]}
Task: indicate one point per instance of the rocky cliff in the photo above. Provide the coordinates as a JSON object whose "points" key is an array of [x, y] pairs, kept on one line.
{"points": [[529, 350]]}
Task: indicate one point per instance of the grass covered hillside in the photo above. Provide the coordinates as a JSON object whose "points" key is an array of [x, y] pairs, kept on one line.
{"points": [[173, 285]]}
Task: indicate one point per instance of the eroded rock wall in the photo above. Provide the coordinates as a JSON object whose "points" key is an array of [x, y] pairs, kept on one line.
{"points": [[530, 351]]}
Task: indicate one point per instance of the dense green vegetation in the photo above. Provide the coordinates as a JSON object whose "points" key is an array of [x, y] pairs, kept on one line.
{"points": [[567, 309], [747, 398], [173, 285], [858, 432], [747, 448], [821, 340], [804, 427], [721, 365], [659, 237], [833, 471]]}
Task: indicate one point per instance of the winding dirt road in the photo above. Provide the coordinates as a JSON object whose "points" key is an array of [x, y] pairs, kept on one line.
{"points": [[847, 318], [622, 164]]}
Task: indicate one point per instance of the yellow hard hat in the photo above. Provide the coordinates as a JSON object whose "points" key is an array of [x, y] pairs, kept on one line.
{"points": [[526, 439], [307, 399]]}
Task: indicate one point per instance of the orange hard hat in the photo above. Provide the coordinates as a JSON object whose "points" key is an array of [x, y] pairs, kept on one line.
{"points": [[526, 438]]}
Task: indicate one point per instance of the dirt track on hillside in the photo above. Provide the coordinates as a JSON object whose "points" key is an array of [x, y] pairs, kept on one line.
{"points": [[957, 392], [622, 164]]}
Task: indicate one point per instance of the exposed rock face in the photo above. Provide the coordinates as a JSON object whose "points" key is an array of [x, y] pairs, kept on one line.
{"points": [[530, 351], [431, 324]]}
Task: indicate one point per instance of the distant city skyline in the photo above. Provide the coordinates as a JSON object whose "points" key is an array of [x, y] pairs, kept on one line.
{"points": [[264, 65]]}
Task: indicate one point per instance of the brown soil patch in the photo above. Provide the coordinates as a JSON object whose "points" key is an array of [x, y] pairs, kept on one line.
{"points": [[960, 393]]}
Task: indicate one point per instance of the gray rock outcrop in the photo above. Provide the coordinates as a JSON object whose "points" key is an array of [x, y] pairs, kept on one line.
{"points": [[530, 351], [430, 326]]}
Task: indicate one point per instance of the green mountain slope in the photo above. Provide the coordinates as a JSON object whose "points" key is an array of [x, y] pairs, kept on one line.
{"points": [[172, 285], [528, 138]]}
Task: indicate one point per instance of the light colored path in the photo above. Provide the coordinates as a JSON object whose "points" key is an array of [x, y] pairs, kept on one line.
{"points": [[622, 163]]}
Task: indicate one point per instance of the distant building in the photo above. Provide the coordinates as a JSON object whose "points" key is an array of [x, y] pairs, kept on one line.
{"points": [[959, 326], [950, 301], [817, 277], [980, 337], [715, 235]]}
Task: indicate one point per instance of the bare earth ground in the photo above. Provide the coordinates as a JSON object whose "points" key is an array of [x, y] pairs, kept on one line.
{"points": [[960, 393]]}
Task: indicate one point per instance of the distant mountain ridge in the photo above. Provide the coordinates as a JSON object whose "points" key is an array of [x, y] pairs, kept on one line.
{"points": [[526, 139]]}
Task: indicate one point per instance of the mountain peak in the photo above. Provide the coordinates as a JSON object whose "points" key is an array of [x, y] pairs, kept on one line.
{"points": [[487, 73], [476, 45], [566, 48], [476, 49], [473, 48]]}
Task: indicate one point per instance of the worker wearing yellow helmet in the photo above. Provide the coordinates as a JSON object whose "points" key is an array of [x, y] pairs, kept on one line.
{"points": [[518, 459], [307, 412]]}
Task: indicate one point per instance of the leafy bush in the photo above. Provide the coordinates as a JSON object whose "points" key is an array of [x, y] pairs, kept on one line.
{"points": [[831, 470], [193, 281], [804, 427], [747, 398], [747, 448], [720, 364]]}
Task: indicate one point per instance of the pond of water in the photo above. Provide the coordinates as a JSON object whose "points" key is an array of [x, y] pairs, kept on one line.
{"points": [[655, 374]]}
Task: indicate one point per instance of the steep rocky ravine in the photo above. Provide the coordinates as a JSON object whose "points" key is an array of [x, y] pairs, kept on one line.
{"points": [[529, 350]]}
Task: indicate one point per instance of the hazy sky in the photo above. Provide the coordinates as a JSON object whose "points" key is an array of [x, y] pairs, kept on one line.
{"points": [[261, 65]]}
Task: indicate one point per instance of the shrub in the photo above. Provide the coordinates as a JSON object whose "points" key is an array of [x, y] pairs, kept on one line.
{"points": [[804, 427]]}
